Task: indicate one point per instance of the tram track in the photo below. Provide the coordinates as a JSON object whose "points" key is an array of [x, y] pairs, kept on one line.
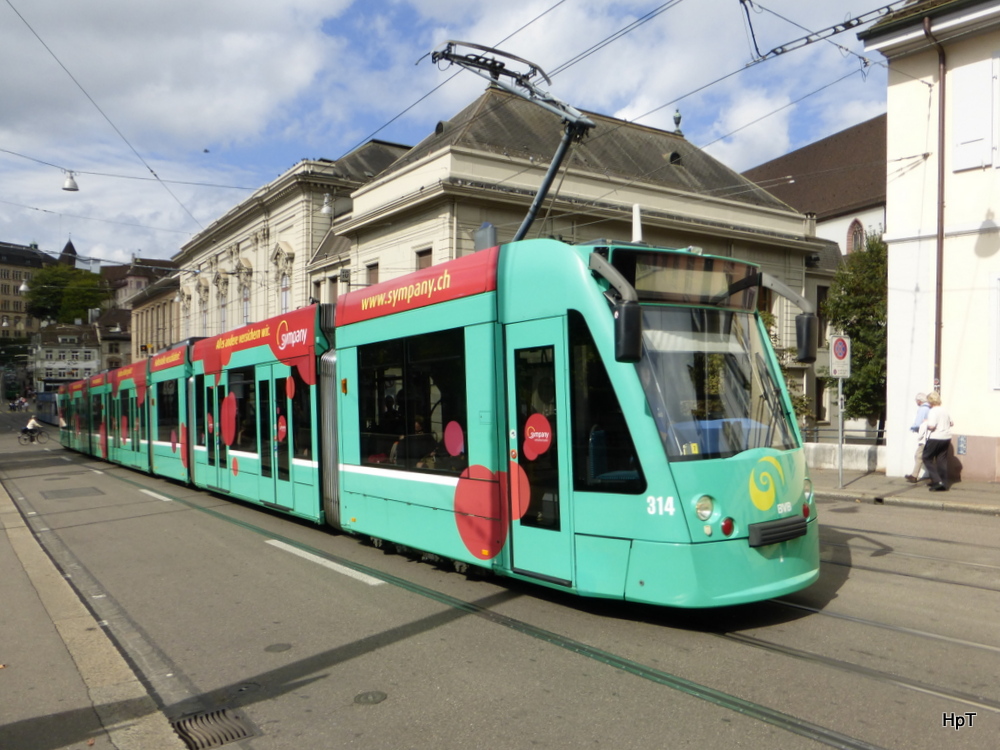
{"points": [[763, 713], [900, 629], [973, 701], [917, 576], [909, 537], [759, 711]]}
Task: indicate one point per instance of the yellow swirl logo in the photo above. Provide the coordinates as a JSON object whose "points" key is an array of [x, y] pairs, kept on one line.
{"points": [[763, 486]]}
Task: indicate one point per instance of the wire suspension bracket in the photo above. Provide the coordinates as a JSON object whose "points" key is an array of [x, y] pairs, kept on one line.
{"points": [[483, 62]]}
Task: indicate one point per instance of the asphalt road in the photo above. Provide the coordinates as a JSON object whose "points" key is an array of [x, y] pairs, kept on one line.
{"points": [[316, 640]]}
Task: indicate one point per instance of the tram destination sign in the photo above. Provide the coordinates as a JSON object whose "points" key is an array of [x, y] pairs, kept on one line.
{"points": [[840, 357]]}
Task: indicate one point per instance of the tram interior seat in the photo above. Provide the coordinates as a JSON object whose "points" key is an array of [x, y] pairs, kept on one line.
{"points": [[597, 464], [718, 437], [412, 448]]}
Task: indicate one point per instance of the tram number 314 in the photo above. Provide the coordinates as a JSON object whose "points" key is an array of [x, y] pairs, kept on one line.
{"points": [[660, 506]]}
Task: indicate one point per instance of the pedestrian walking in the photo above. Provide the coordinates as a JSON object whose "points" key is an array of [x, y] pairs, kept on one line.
{"points": [[919, 426], [939, 426]]}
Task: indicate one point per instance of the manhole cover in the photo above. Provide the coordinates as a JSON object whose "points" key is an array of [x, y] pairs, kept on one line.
{"points": [[370, 698]]}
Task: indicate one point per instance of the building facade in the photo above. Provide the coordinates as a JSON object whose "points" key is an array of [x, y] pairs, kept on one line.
{"points": [[18, 264], [324, 228], [155, 319], [942, 229], [251, 263]]}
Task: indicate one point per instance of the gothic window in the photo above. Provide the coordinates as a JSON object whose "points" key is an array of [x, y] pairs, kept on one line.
{"points": [[855, 237]]}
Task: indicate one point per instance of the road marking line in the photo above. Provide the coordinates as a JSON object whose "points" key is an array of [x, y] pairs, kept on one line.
{"points": [[370, 580], [158, 496]]}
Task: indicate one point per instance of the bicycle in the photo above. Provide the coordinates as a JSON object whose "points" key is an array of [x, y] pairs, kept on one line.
{"points": [[33, 436]]}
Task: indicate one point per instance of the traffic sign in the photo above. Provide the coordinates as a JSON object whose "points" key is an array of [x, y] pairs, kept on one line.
{"points": [[840, 357]]}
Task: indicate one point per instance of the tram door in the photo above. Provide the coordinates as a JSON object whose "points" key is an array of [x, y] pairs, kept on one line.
{"points": [[541, 536], [217, 453], [275, 430]]}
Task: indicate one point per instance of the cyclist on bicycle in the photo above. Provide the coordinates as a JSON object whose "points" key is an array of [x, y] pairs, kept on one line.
{"points": [[32, 428]]}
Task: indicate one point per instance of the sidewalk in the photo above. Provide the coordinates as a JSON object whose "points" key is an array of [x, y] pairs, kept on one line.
{"points": [[63, 684], [874, 487]]}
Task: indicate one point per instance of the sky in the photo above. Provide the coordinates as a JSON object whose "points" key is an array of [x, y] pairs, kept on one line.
{"points": [[171, 113]]}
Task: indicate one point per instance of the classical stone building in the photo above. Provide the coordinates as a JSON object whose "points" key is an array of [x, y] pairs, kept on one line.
{"points": [[250, 264], [384, 210]]}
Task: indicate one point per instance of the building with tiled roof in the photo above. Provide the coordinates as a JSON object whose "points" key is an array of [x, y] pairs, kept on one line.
{"points": [[840, 179]]}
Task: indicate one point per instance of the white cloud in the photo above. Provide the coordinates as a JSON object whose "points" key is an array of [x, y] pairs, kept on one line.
{"points": [[263, 84]]}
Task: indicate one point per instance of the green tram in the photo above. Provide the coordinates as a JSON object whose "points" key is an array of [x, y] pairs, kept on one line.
{"points": [[604, 419]]}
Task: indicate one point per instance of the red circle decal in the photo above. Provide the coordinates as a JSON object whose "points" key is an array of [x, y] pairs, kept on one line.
{"points": [[480, 513]]}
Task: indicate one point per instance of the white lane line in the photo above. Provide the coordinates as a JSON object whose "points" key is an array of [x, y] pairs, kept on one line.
{"points": [[157, 495], [371, 581]]}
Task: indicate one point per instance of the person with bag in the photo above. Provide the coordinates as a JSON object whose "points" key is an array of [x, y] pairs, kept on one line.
{"points": [[939, 426]]}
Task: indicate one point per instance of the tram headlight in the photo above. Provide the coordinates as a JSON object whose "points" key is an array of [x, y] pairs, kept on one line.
{"points": [[704, 508], [807, 490]]}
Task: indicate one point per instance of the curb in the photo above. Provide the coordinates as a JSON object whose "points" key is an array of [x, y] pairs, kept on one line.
{"points": [[129, 715], [956, 506]]}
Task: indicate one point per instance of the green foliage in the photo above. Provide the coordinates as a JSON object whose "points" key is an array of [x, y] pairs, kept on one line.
{"points": [[63, 293], [857, 307]]}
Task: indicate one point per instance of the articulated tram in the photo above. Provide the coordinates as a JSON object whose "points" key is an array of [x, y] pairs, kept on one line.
{"points": [[604, 419]]}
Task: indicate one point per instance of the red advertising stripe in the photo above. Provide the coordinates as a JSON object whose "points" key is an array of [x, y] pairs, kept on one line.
{"points": [[291, 338], [167, 359], [463, 277]]}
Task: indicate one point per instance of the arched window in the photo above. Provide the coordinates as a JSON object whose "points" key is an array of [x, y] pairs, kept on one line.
{"points": [[855, 237]]}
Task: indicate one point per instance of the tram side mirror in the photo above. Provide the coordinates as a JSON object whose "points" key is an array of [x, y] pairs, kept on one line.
{"points": [[807, 337], [628, 331]]}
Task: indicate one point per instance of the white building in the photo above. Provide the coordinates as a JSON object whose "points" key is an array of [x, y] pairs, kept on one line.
{"points": [[942, 229]]}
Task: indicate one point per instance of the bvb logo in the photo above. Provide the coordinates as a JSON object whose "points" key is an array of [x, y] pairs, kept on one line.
{"points": [[763, 487]]}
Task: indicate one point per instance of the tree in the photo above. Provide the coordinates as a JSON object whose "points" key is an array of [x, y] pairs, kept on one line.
{"points": [[857, 307], [64, 294]]}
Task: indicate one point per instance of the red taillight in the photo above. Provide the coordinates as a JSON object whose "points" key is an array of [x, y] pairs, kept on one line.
{"points": [[727, 526], [805, 510]]}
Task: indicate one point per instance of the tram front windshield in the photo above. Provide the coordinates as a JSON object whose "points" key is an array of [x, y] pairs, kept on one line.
{"points": [[708, 384]]}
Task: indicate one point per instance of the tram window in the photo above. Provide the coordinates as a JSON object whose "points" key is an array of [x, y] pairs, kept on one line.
{"points": [[412, 405], [301, 417], [123, 425], [167, 412], [282, 392], [604, 455], [97, 412], [242, 387], [199, 410], [536, 409], [264, 412]]}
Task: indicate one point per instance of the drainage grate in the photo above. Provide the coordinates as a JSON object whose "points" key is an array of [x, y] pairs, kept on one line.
{"points": [[213, 729]]}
